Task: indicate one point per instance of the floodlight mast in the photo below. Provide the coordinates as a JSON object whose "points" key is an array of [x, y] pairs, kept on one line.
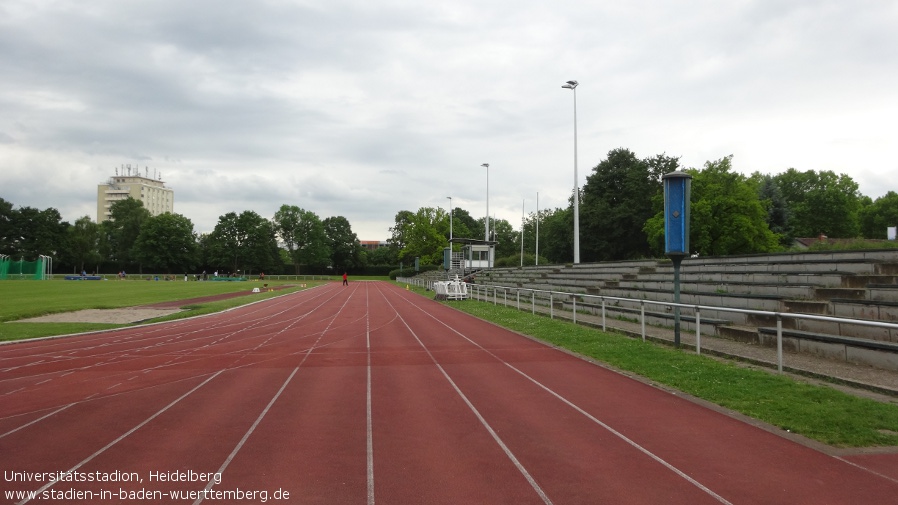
{"points": [[450, 220], [486, 222], [572, 85]]}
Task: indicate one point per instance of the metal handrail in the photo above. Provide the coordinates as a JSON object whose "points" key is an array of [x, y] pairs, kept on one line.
{"points": [[475, 289]]}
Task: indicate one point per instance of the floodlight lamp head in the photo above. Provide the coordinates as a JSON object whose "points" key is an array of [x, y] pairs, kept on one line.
{"points": [[570, 85], [487, 165]]}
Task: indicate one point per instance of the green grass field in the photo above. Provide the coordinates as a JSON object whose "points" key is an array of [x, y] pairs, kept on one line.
{"points": [[26, 299]]}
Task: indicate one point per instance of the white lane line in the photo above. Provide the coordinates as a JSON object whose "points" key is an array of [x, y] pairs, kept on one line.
{"points": [[249, 432], [589, 416], [252, 428], [517, 463], [874, 472], [368, 427], [86, 460], [36, 420]]}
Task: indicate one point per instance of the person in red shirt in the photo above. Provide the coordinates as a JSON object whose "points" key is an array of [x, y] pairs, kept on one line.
{"points": [[345, 282]]}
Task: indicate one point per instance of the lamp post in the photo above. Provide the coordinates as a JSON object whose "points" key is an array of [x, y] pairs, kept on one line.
{"points": [[450, 220], [536, 259], [522, 232], [572, 85], [486, 222]]}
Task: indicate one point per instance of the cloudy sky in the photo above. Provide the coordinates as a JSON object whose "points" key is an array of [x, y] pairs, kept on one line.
{"points": [[362, 108]]}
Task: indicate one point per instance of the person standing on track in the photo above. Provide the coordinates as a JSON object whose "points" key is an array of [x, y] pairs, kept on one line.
{"points": [[345, 282]]}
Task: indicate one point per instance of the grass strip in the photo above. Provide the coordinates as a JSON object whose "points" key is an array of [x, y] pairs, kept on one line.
{"points": [[817, 412], [25, 299]]}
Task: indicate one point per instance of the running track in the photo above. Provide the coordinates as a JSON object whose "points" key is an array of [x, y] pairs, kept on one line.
{"points": [[371, 394]]}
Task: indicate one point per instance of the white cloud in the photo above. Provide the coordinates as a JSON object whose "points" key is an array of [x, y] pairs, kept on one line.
{"points": [[363, 109]]}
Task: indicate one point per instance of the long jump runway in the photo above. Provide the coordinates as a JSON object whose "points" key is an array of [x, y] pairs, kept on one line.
{"points": [[371, 394]]}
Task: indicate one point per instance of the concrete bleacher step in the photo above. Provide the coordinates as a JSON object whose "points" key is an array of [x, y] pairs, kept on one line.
{"points": [[851, 349], [807, 307], [738, 333], [848, 293], [863, 281], [848, 284], [882, 292]]}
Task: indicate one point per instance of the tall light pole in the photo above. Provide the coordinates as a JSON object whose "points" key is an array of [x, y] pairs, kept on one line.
{"points": [[572, 85], [537, 229], [450, 221], [486, 223], [522, 232]]}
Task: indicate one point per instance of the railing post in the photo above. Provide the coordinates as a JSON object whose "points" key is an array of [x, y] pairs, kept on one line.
{"points": [[642, 317], [495, 296], [698, 331], [519, 299], [603, 315], [574, 298], [551, 305], [779, 343], [533, 302]]}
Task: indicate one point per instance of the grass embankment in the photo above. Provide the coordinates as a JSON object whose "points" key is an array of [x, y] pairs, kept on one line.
{"points": [[26, 299], [817, 412]]}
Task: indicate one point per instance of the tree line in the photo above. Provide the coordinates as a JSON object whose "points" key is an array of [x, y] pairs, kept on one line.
{"points": [[621, 215], [621, 218], [134, 241]]}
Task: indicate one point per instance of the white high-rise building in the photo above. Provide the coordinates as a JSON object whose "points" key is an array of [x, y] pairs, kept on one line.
{"points": [[155, 196]]}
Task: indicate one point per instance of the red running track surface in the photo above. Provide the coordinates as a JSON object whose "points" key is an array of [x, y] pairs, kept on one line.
{"points": [[371, 394]]}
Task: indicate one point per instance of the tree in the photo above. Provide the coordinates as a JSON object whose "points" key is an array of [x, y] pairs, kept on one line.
{"points": [[84, 243], [507, 239], [879, 215], [821, 203], [426, 234], [617, 201], [303, 233], [778, 213], [556, 234], [727, 217], [167, 243], [38, 232], [346, 251], [387, 255], [7, 216], [122, 229], [465, 226], [246, 242], [399, 232]]}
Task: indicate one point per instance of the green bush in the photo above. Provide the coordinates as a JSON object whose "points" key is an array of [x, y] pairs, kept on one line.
{"points": [[515, 261]]}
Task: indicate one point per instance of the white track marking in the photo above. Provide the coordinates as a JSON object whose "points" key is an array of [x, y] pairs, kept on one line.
{"points": [[589, 416], [249, 432], [277, 395], [539, 491], [368, 421], [36, 420], [122, 437]]}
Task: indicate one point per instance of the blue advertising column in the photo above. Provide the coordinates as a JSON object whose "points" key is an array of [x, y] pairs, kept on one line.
{"points": [[677, 192]]}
